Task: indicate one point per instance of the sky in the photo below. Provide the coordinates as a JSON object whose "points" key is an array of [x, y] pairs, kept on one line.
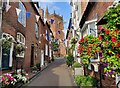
{"points": [[61, 8]]}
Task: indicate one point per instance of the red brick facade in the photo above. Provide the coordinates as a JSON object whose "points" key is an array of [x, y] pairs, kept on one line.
{"points": [[100, 8], [33, 45], [56, 26]]}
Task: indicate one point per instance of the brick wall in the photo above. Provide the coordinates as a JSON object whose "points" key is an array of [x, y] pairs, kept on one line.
{"points": [[11, 26], [100, 8]]}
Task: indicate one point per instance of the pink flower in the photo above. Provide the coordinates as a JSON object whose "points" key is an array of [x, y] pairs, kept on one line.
{"points": [[106, 74], [11, 79], [3, 79], [7, 83], [100, 27]]}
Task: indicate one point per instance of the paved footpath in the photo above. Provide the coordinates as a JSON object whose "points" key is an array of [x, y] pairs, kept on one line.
{"points": [[57, 74]]}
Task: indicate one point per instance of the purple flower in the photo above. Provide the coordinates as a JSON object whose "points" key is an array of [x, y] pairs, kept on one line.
{"points": [[106, 74], [111, 72], [105, 64], [100, 54]]}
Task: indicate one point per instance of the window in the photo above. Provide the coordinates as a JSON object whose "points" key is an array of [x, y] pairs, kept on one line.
{"points": [[22, 14], [21, 41], [36, 30], [20, 38], [92, 28], [89, 28]]}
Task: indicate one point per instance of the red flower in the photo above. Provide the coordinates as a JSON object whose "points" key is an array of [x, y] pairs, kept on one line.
{"points": [[113, 47], [100, 38], [100, 27], [82, 39], [92, 40], [107, 31], [118, 55], [113, 39], [96, 51], [118, 44], [86, 39], [116, 31], [88, 51]]}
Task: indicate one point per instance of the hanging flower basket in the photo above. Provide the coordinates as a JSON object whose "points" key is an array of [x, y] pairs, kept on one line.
{"points": [[6, 43], [20, 49]]}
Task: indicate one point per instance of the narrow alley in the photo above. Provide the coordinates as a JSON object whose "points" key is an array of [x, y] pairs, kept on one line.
{"points": [[57, 74]]}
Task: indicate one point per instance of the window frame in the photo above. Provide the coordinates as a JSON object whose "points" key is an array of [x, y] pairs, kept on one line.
{"points": [[20, 42], [36, 31], [22, 15]]}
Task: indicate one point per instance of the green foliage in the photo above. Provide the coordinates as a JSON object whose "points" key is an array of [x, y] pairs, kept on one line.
{"points": [[34, 68], [73, 43], [6, 43], [69, 60], [88, 47], [76, 65], [73, 40], [20, 48], [55, 45], [38, 65], [110, 41], [85, 81]]}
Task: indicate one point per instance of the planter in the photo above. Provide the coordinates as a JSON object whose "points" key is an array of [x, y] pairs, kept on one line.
{"points": [[78, 71]]}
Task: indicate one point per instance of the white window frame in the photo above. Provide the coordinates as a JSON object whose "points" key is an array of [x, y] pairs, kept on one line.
{"points": [[22, 14], [86, 26], [36, 30], [46, 49], [20, 42]]}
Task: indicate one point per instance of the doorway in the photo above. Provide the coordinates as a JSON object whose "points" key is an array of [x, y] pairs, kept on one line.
{"points": [[32, 56], [42, 58]]}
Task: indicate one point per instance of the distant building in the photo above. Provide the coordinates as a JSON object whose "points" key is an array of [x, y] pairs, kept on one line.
{"points": [[57, 28]]}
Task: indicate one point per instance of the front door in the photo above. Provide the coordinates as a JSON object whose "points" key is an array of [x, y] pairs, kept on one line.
{"points": [[32, 55], [5, 58]]}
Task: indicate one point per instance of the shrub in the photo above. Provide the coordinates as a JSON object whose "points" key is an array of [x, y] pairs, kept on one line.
{"points": [[38, 65], [34, 68], [85, 81], [76, 65], [69, 60]]}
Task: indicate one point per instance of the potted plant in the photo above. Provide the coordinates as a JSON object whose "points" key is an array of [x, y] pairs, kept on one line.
{"points": [[34, 69], [19, 49], [38, 66], [8, 81], [77, 69], [6, 43]]}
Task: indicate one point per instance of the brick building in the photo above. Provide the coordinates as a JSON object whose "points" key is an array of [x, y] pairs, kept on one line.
{"points": [[24, 28], [57, 28], [93, 13], [69, 35]]}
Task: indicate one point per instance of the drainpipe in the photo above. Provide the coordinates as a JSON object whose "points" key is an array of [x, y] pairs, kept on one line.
{"points": [[0, 37]]}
